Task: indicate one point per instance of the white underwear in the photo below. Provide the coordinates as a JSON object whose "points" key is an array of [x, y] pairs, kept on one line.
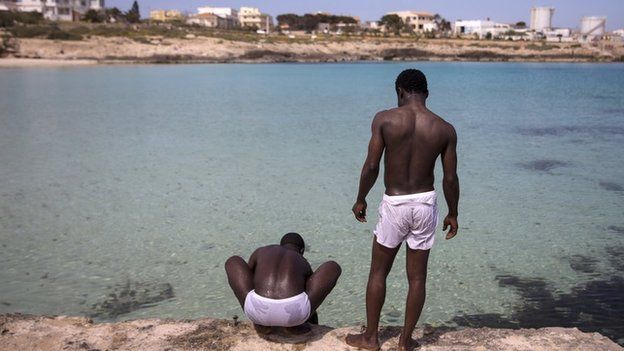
{"points": [[412, 218], [288, 312]]}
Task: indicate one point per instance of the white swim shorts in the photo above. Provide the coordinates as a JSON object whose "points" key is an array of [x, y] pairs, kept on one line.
{"points": [[412, 218], [288, 312]]}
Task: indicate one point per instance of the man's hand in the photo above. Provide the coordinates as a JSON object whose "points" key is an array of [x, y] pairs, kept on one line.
{"points": [[452, 222], [359, 210]]}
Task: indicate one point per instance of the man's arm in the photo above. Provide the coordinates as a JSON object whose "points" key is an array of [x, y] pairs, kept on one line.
{"points": [[450, 183], [370, 170]]}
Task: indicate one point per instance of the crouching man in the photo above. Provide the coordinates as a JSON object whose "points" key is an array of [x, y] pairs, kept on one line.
{"points": [[277, 287]]}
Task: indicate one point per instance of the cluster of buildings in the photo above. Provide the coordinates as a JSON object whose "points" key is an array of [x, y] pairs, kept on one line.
{"points": [[541, 27], [55, 10], [219, 17]]}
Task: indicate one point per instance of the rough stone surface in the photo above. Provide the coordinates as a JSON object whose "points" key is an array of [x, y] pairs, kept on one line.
{"points": [[24, 333], [204, 49]]}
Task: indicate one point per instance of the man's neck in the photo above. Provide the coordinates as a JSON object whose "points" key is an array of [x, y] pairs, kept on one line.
{"points": [[291, 247], [416, 101]]}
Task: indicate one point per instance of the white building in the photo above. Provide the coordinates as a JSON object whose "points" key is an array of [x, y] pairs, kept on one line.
{"points": [[8, 6], [372, 25], [56, 10], [561, 35], [417, 21], [541, 18], [230, 15], [619, 32], [480, 28], [593, 27], [252, 17]]}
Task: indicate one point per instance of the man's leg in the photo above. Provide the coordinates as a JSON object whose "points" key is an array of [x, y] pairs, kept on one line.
{"points": [[381, 264], [318, 286], [416, 267], [321, 283], [240, 278]]}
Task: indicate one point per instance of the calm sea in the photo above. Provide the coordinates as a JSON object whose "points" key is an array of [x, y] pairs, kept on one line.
{"points": [[123, 189]]}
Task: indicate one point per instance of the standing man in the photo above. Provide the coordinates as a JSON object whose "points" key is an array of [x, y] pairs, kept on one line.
{"points": [[412, 138]]}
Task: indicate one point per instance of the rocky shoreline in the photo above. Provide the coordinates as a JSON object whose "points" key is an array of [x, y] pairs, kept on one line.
{"points": [[26, 332], [214, 50]]}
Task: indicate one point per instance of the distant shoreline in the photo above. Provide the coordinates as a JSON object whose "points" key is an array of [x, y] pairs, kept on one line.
{"points": [[11, 62], [33, 52]]}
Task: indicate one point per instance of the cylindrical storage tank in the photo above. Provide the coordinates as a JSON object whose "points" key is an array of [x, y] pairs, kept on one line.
{"points": [[593, 26], [541, 18]]}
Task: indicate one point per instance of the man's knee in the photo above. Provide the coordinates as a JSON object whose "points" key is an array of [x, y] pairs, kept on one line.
{"points": [[334, 270], [334, 267], [417, 279], [233, 262]]}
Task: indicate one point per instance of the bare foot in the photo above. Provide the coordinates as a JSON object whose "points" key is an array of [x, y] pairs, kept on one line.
{"points": [[262, 329], [408, 345], [299, 330], [362, 341]]}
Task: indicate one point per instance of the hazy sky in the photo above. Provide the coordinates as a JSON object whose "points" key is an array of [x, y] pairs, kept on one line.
{"points": [[568, 13]]}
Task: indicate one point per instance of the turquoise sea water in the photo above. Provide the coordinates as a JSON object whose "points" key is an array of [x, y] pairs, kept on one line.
{"points": [[147, 178]]}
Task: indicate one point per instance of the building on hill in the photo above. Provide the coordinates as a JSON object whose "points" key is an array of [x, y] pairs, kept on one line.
{"points": [[541, 18], [211, 20], [253, 18], [417, 21], [371, 25], [55, 10], [166, 15], [480, 28], [560, 35], [229, 16]]}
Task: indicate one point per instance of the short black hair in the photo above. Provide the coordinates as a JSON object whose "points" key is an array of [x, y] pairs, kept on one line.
{"points": [[293, 239], [412, 81]]}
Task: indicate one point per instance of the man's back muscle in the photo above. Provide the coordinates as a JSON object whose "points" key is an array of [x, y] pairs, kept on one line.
{"points": [[278, 272], [413, 139]]}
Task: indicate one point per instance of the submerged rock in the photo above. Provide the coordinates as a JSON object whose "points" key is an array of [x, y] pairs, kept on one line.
{"points": [[130, 297], [542, 165], [610, 186]]}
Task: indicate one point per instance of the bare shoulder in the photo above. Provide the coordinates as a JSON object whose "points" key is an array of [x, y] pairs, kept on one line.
{"points": [[383, 115], [266, 249], [445, 127]]}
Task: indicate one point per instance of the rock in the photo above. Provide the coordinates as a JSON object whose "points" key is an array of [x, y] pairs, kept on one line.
{"points": [[73, 333], [130, 297]]}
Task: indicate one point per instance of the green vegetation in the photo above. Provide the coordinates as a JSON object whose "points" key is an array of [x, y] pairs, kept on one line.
{"points": [[134, 15], [58, 34], [30, 31], [310, 22], [393, 23], [542, 47], [94, 16], [443, 24], [11, 18], [47, 31]]}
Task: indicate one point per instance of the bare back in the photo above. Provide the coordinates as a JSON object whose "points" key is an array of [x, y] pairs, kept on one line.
{"points": [[413, 140], [279, 272]]}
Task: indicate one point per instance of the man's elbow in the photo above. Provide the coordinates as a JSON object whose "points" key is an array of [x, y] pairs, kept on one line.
{"points": [[371, 168], [450, 179]]}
